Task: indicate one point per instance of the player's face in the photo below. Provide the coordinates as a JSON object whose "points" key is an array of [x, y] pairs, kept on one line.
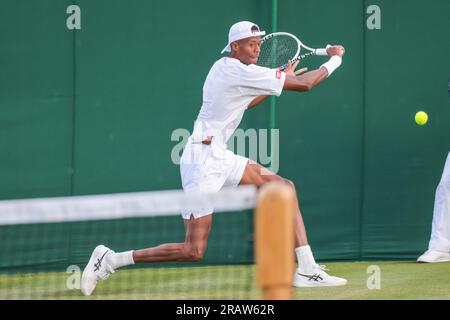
{"points": [[247, 50]]}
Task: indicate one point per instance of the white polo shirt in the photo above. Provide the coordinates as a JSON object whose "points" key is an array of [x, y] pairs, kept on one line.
{"points": [[228, 89]]}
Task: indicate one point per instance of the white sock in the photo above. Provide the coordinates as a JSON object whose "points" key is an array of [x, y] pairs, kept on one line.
{"points": [[305, 258], [120, 259]]}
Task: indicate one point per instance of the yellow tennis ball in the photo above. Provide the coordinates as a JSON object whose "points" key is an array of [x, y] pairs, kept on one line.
{"points": [[421, 118]]}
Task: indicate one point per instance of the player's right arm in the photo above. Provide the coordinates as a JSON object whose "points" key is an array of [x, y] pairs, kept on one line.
{"points": [[309, 80]]}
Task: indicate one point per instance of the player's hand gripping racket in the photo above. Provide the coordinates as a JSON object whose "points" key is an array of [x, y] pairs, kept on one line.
{"points": [[280, 47]]}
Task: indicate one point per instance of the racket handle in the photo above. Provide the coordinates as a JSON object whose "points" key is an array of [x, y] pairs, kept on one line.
{"points": [[321, 52], [300, 57]]}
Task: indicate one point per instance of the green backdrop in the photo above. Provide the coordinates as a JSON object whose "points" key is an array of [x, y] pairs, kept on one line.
{"points": [[93, 110]]}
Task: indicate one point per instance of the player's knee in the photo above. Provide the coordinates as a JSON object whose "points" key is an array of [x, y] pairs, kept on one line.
{"points": [[290, 183], [195, 253], [271, 178]]}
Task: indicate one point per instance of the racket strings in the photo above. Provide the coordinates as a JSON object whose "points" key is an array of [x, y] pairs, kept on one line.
{"points": [[277, 51]]}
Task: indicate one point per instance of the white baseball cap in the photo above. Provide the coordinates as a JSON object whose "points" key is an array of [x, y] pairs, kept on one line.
{"points": [[242, 30]]}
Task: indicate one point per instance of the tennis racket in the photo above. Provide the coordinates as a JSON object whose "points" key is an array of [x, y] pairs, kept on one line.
{"points": [[280, 47]]}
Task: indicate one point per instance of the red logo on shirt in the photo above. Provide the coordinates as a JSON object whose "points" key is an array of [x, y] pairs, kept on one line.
{"points": [[278, 74]]}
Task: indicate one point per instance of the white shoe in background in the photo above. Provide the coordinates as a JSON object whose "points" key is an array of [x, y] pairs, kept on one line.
{"points": [[431, 256]]}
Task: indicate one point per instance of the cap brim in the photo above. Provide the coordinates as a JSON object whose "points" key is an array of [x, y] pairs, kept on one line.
{"points": [[256, 34], [226, 49]]}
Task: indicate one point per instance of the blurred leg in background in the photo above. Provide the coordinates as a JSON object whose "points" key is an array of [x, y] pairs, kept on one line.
{"points": [[439, 246]]}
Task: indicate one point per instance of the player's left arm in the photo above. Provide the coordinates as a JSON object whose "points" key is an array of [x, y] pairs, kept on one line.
{"points": [[308, 80]]}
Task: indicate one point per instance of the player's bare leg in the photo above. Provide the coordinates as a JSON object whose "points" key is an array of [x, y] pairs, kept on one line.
{"points": [[193, 248], [104, 261], [258, 175], [309, 273]]}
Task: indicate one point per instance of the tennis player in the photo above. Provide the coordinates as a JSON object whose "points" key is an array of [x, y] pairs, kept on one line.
{"points": [[234, 84]]}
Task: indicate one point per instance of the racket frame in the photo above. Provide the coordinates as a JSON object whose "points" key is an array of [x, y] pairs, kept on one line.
{"points": [[297, 57]]}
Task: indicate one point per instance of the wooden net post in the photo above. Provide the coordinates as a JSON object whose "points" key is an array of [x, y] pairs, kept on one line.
{"points": [[274, 244]]}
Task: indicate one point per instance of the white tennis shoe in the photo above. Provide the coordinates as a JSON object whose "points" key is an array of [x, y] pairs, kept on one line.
{"points": [[97, 269], [317, 278], [431, 256]]}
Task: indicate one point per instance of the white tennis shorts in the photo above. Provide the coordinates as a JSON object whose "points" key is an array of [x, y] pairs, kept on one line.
{"points": [[203, 170]]}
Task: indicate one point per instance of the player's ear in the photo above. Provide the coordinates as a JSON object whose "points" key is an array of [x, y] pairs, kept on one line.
{"points": [[234, 46]]}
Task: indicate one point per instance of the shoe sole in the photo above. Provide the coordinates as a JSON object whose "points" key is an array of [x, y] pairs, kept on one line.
{"points": [[434, 261], [320, 285]]}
